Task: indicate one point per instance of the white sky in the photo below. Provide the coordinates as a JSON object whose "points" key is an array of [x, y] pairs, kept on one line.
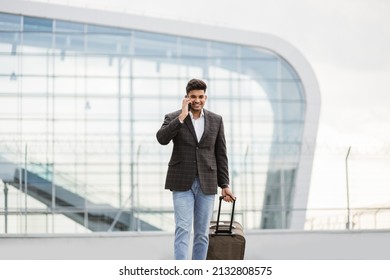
{"points": [[347, 42]]}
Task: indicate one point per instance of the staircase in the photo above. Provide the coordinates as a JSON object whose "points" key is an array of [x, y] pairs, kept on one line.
{"points": [[96, 217]]}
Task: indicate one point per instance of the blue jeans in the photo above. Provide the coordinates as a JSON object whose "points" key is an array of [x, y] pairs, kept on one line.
{"points": [[192, 205]]}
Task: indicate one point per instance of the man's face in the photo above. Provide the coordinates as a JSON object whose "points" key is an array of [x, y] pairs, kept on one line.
{"points": [[198, 99]]}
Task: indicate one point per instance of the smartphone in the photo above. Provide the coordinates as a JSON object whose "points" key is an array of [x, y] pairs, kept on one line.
{"points": [[189, 104]]}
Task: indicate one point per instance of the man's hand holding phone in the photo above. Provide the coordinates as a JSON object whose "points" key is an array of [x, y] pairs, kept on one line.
{"points": [[185, 107]]}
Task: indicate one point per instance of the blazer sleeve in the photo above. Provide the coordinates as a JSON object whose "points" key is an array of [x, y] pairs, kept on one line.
{"points": [[169, 129], [221, 157]]}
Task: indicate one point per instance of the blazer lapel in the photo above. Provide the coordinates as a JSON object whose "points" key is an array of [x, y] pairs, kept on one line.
{"points": [[188, 122], [206, 125]]}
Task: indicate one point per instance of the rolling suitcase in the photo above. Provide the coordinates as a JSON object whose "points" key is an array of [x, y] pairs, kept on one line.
{"points": [[226, 238]]}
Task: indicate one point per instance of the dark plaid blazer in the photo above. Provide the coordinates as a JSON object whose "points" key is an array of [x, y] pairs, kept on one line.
{"points": [[206, 159]]}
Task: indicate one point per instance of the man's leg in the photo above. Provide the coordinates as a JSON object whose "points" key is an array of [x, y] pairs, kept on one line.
{"points": [[203, 211], [183, 203]]}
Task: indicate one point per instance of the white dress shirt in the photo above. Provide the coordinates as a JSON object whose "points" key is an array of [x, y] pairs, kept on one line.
{"points": [[198, 124]]}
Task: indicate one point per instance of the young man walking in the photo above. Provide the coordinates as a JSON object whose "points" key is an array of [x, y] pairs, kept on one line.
{"points": [[198, 166]]}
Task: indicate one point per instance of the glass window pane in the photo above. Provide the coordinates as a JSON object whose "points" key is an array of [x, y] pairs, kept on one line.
{"points": [[101, 86], [291, 90], [190, 48], [36, 65], [102, 67], [107, 43], [37, 24], [145, 68], [145, 87], [158, 46], [8, 106], [34, 85], [37, 42], [9, 22], [68, 27], [103, 108], [69, 42]]}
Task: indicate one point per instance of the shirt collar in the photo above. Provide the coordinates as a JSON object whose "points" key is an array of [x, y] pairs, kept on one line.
{"points": [[201, 114]]}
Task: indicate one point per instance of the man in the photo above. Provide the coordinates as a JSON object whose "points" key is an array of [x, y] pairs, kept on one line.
{"points": [[197, 166]]}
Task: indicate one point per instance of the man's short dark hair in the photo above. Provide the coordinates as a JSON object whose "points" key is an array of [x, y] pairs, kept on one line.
{"points": [[196, 84]]}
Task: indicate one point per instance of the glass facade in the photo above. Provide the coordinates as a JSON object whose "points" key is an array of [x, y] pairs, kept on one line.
{"points": [[80, 105]]}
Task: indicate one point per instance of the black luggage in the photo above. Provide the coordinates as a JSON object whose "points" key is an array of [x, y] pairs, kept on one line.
{"points": [[226, 238]]}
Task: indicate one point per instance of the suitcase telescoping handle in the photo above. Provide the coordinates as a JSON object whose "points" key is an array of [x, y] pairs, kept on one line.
{"points": [[226, 231]]}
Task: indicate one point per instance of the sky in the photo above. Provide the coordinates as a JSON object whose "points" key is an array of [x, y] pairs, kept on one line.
{"points": [[347, 43]]}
